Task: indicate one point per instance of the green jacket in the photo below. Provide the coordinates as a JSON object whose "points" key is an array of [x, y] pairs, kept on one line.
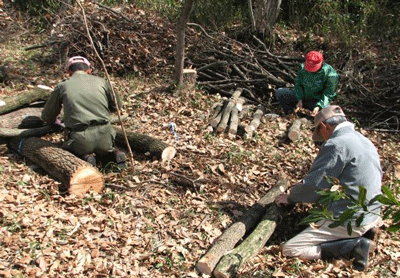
{"points": [[321, 85], [86, 100]]}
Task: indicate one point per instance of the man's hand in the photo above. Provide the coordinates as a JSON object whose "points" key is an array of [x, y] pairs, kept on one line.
{"points": [[299, 104], [59, 123], [315, 111], [281, 199]]}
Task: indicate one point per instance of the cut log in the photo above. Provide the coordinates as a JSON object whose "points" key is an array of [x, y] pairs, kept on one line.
{"points": [[12, 103], [231, 262], [233, 125], [228, 109], [31, 132], [217, 118], [28, 117], [234, 233], [294, 130], [142, 144], [255, 122], [76, 176], [189, 77]]}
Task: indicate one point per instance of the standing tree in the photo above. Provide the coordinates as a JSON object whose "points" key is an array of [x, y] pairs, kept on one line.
{"points": [[180, 46], [265, 14]]}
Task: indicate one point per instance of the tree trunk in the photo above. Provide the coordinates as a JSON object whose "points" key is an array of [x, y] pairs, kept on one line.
{"points": [[265, 15], [180, 44], [14, 102], [76, 176], [230, 263], [257, 116], [294, 130], [141, 143], [234, 233]]}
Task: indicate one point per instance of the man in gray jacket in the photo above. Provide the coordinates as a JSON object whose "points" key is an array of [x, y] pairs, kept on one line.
{"points": [[353, 160]]}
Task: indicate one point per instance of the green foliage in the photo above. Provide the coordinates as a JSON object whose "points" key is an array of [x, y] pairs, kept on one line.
{"points": [[337, 192]]}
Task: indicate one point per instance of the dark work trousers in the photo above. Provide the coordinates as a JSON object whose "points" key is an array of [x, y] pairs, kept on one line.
{"points": [[288, 101]]}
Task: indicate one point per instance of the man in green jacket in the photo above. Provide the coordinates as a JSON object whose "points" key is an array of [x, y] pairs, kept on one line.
{"points": [[315, 86], [87, 102]]}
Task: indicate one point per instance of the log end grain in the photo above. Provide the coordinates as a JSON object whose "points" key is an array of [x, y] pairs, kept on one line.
{"points": [[293, 135], [86, 178], [168, 153], [204, 267]]}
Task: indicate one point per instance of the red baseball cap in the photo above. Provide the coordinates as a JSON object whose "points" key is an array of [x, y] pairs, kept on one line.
{"points": [[314, 60], [78, 59]]}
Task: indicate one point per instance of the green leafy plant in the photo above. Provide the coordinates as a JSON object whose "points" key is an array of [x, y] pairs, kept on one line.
{"points": [[338, 192]]}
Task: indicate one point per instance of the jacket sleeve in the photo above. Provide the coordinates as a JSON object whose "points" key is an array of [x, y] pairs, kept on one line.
{"points": [[111, 103], [329, 162], [53, 106], [331, 86], [298, 90]]}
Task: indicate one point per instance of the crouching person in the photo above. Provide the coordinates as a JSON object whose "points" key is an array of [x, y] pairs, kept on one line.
{"points": [[353, 160], [87, 102]]}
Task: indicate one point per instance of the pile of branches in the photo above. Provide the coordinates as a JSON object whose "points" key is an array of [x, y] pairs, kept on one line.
{"points": [[224, 64], [129, 40]]}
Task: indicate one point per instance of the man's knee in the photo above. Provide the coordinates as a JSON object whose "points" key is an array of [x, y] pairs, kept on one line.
{"points": [[280, 92]]}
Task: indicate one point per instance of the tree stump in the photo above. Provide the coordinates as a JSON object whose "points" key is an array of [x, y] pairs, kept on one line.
{"points": [[255, 122], [235, 232], [294, 130], [231, 262], [142, 144], [76, 176], [11, 103]]}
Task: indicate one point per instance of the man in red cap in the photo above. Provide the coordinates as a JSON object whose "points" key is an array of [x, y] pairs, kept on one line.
{"points": [[87, 102], [352, 159], [315, 86]]}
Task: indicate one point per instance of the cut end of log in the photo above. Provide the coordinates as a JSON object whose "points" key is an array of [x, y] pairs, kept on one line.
{"points": [[168, 154], [86, 178], [293, 135], [204, 268]]}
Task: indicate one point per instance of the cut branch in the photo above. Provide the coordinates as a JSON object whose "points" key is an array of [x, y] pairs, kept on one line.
{"points": [[294, 130]]}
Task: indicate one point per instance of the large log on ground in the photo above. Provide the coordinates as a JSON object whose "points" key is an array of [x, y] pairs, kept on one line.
{"points": [[141, 143], [294, 130], [76, 176], [255, 122], [28, 117], [228, 109], [31, 132], [235, 232], [11, 103], [231, 262]]}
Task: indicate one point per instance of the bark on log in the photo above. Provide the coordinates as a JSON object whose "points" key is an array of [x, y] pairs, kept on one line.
{"points": [[233, 126], [228, 109], [234, 233], [76, 176], [260, 111], [14, 102], [294, 130], [32, 132], [230, 263], [22, 118], [215, 120], [189, 77], [141, 143]]}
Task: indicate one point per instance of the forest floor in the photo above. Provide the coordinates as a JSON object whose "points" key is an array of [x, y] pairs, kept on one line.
{"points": [[159, 228]]}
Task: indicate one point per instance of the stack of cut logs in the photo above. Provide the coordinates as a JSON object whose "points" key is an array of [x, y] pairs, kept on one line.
{"points": [[21, 127], [227, 114]]}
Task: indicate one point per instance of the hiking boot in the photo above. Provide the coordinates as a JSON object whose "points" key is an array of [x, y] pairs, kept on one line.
{"points": [[90, 159], [120, 158], [373, 234]]}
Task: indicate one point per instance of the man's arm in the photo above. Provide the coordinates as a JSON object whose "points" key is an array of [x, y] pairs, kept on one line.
{"points": [[298, 90], [331, 86], [329, 162], [52, 107], [112, 105]]}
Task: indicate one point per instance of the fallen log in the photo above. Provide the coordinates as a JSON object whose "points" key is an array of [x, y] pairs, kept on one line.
{"points": [[294, 130], [11, 103], [226, 113], [30, 132], [255, 122], [76, 176], [234, 122], [231, 262], [235, 232], [217, 116], [142, 144], [28, 117]]}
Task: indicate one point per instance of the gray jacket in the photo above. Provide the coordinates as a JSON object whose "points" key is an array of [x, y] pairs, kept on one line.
{"points": [[353, 159]]}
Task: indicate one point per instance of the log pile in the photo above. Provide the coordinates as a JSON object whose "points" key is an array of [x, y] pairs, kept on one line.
{"points": [[263, 210]]}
